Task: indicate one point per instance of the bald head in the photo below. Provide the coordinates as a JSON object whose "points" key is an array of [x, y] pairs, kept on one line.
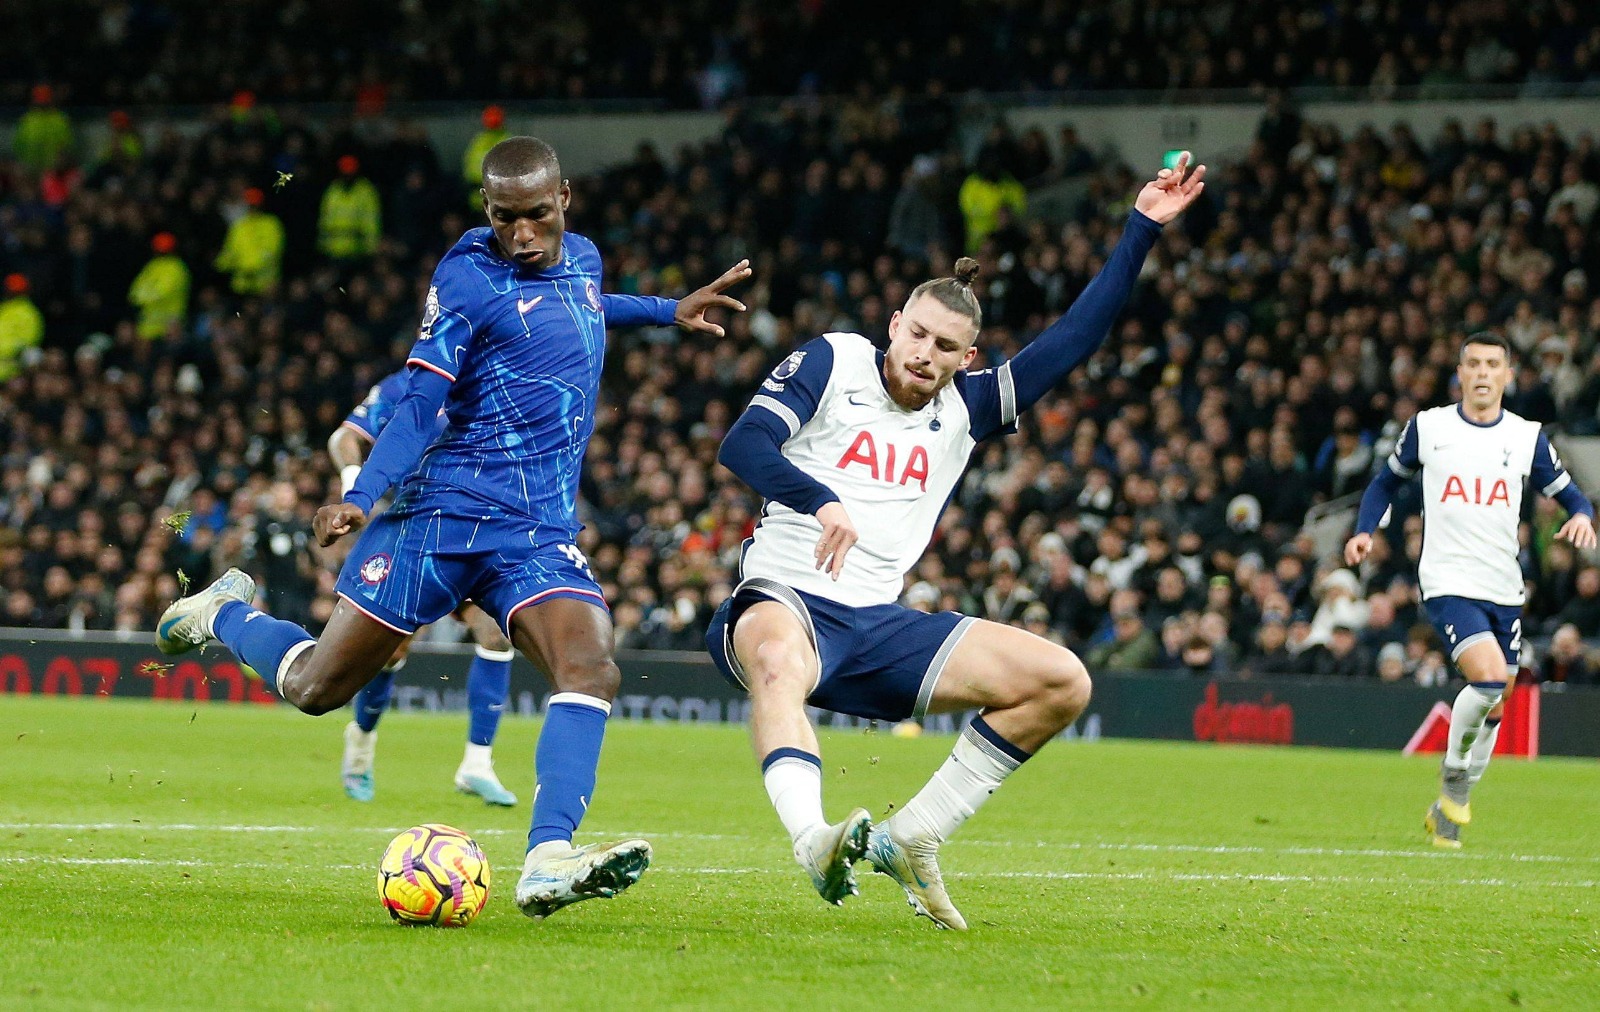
{"points": [[516, 157]]}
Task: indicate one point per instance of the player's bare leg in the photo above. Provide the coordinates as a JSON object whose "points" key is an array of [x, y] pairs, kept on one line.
{"points": [[780, 665], [316, 675], [488, 683], [1030, 690], [571, 642], [1474, 729]]}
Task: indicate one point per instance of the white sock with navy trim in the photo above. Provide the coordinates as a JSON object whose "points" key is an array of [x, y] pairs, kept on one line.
{"points": [[1472, 705], [979, 763], [794, 783], [1482, 751]]}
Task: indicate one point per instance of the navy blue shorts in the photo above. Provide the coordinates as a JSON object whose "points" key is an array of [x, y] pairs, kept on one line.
{"points": [[880, 662], [418, 560], [1463, 621]]}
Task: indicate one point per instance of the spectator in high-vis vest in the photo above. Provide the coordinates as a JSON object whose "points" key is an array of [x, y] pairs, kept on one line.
{"points": [[350, 223], [21, 325], [493, 132], [252, 251], [44, 133], [160, 291]]}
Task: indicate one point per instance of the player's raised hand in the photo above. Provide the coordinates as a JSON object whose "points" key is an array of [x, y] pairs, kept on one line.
{"points": [[336, 520], [691, 314], [1579, 530], [1356, 549], [838, 535], [1166, 196]]}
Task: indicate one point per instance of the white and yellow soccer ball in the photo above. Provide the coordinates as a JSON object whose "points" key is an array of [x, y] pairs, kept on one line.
{"points": [[434, 875]]}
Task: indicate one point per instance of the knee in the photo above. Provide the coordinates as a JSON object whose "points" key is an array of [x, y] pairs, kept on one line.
{"points": [[1064, 685], [599, 677], [313, 697], [777, 665]]}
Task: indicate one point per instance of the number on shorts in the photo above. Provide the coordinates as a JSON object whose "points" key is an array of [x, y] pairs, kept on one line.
{"points": [[1516, 640], [576, 557]]}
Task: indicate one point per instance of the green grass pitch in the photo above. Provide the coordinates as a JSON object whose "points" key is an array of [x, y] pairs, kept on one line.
{"points": [[159, 855]]}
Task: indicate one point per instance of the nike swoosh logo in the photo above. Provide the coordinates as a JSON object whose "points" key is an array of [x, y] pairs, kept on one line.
{"points": [[252, 617], [859, 404], [524, 305]]}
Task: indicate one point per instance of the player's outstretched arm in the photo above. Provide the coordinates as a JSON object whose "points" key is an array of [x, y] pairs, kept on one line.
{"points": [[1550, 476], [348, 451], [691, 311], [1067, 343], [395, 455]]}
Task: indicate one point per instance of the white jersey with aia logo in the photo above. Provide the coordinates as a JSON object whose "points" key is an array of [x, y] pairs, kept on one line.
{"points": [[892, 469], [1473, 476]]}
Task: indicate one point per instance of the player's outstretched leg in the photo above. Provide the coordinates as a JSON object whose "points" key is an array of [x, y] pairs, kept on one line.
{"points": [[1030, 689], [361, 734], [1474, 728], [571, 641], [315, 675], [780, 668], [488, 686]]}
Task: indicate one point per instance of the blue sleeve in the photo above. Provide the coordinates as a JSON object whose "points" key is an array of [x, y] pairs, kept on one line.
{"points": [[1402, 464], [1375, 500], [991, 401], [446, 329], [373, 413], [401, 445], [753, 447], [638, 311], [1068, 342], [1550, 476], [792, 391]]}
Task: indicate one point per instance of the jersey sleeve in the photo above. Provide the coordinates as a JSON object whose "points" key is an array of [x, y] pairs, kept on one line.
{"points": [[991, 398], [1406, 459], [374, 412], [794, 389], [638, 311], [447, 323], [1551, 477]]}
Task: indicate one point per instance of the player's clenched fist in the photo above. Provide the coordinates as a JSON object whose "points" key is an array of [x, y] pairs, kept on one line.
{"points": [[336, 520], [1356, 549], [838, 535]]}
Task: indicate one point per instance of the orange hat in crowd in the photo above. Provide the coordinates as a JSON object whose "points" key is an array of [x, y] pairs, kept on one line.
{"points": [[43, 94], [349, 165], [16, 284], [254, 197], [243, 100], [494, 117], [164, 243]]}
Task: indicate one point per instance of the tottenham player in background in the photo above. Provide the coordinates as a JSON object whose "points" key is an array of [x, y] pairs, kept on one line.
{"points": [[489, 677], [511, 346], [856, 452], [1475, 458]]}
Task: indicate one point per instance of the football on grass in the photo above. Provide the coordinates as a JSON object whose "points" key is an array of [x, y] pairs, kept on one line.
{"points": [[434, 875]]}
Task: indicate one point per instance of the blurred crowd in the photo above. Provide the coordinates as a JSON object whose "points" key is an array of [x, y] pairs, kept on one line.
{"points": [[374, 53], [184, 320]]}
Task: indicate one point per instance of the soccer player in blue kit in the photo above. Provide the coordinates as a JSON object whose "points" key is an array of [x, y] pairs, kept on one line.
{"points": [[489, 677], [511, 346]]}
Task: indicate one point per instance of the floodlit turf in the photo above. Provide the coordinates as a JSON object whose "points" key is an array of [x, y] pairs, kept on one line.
{"points": [[158, 855]]}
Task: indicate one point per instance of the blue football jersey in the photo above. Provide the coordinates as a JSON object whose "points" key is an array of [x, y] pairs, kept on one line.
{"points": [[373, 413], [524, 352]]}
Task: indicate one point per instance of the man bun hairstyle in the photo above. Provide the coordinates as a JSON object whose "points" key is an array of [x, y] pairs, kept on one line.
{"points": [[955, 292]]}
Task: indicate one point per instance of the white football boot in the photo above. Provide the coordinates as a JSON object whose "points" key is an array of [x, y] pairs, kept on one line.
{"points": [[186, 623], [827, 852], [915, 865], [557, 875]]}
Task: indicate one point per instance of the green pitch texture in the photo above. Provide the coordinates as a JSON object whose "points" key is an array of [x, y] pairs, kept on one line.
{"points": [[159, 855]]}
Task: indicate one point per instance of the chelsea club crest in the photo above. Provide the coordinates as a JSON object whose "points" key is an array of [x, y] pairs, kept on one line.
{"points": [[375, 569]]}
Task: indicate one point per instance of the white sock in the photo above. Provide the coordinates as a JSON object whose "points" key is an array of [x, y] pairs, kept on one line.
{"points": [[395, 665], [1482, 752], [976, 767], [478, 757], [794, 783], [1472, 705]]}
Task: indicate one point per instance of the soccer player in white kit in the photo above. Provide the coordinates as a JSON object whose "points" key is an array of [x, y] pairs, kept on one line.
{"points": [[1475, 458], [853, 448]]}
